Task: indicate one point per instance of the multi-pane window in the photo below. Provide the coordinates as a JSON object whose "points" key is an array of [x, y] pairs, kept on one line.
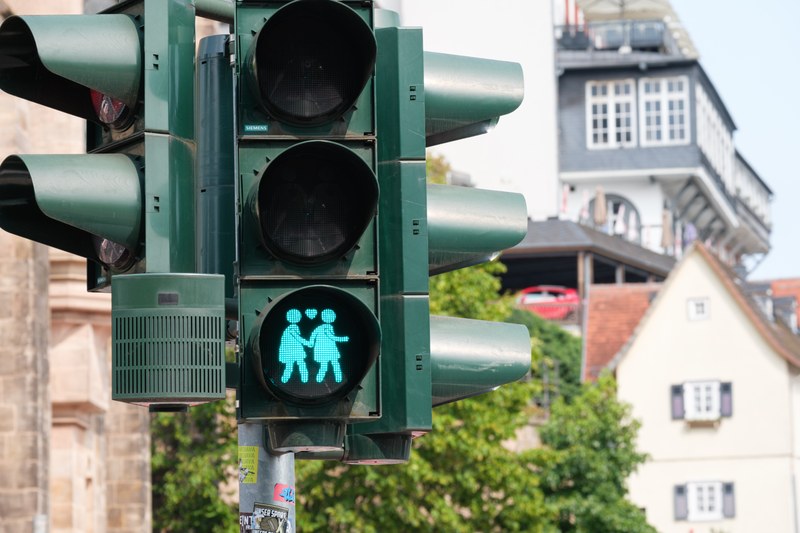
{"points": [[611, 114], [702, 401], [664, 104], [704, 501]]}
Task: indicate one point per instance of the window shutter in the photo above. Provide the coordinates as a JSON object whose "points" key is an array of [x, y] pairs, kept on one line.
{"points": [[676, 397], [726, 399], [681, 503], [728, 501]]}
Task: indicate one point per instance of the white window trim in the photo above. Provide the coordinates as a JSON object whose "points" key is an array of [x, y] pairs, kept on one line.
{"points": [[610, 100], [691, 309], [697, 489], [664, 97], [707, 412]]}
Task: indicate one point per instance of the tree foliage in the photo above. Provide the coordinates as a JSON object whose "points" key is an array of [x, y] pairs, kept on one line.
{"points": [[193, 456], [560, 353], [589, 451]]}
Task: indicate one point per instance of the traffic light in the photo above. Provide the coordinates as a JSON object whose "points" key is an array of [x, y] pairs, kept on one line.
{"points": [[127, 205], [95, 67], [426, 99], [307, 260]]}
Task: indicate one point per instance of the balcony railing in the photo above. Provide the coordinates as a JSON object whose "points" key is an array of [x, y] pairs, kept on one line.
{"points": [[622, 36]]}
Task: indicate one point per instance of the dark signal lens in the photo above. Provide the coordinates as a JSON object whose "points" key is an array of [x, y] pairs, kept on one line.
{"points": [[312, 60], [314, 201]]}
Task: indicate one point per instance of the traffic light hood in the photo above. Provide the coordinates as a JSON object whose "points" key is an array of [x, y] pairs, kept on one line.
{"points": [[57, 60], [78, 203], [465, 96]]}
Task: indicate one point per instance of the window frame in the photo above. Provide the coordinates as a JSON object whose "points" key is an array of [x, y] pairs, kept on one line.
{"points": [[663, 97], [691, 309], [704, 489], [611, 99], [702, 401]]}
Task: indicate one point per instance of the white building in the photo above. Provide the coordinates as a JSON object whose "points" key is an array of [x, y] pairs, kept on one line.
{"points": [[715, 382]]}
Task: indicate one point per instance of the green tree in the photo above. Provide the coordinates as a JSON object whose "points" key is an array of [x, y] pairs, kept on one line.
{"points": [[589, 451], [193, 458], [560, 354]]}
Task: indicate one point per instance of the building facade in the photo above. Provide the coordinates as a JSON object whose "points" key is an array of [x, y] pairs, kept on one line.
{"points": [[714, 378], [646, 145]]}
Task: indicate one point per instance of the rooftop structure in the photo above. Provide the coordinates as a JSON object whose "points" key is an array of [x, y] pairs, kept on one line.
{"points": [[646, 148]]}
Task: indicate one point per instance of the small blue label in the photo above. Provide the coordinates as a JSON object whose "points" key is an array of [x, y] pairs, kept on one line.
{"points": [[288, 494], [253, 128]]}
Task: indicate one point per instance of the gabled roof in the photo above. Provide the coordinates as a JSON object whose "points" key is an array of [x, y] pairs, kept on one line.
{"points": [[781, 339], [614, 312], [778, 336]]}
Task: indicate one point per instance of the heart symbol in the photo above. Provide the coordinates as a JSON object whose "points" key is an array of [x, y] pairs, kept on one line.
{"points": [[311, 313]]}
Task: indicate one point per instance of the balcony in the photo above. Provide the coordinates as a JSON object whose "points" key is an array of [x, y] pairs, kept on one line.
{"points": [[620, 36]]}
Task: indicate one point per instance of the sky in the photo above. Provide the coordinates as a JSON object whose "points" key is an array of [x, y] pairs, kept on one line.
{"points": [[751, 52]]}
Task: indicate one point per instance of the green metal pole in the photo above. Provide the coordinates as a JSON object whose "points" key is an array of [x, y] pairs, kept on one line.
{"points": [[215, 173]]}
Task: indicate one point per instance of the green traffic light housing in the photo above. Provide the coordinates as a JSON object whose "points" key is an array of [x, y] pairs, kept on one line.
{"points": [[427, 99], [307, 68], [88, 205], [65, 62], [307, 251], [466, 96], [313, 202]]}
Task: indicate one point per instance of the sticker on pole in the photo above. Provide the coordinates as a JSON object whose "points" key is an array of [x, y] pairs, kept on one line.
{"points": [[266, 518], [283, 493], [248, 464]]}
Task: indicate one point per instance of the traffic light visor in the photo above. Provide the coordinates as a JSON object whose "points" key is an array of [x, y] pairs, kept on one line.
{"points": [[314, 201], [311, 60], [57, 60], [89, 205], [314, 344]]}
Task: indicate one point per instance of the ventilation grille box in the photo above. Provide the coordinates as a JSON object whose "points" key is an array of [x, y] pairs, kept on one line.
{"points": [[168, 335]]}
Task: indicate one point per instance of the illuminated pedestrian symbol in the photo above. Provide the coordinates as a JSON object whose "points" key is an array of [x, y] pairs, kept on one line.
{"points": [[291, 351], [325, 350], [323, 341]]}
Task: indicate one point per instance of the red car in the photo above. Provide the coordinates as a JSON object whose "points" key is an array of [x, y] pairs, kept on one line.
{"points": [[551, 302]]}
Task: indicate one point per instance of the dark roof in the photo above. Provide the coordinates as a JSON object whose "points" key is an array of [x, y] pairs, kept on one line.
{"points": [[550, 236]]}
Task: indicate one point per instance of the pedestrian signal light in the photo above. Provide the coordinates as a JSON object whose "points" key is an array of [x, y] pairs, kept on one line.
{"points": [[314, 344]]}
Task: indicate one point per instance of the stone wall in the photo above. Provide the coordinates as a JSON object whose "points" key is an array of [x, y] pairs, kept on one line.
{"points": [[71, 460], [24, 392]]}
